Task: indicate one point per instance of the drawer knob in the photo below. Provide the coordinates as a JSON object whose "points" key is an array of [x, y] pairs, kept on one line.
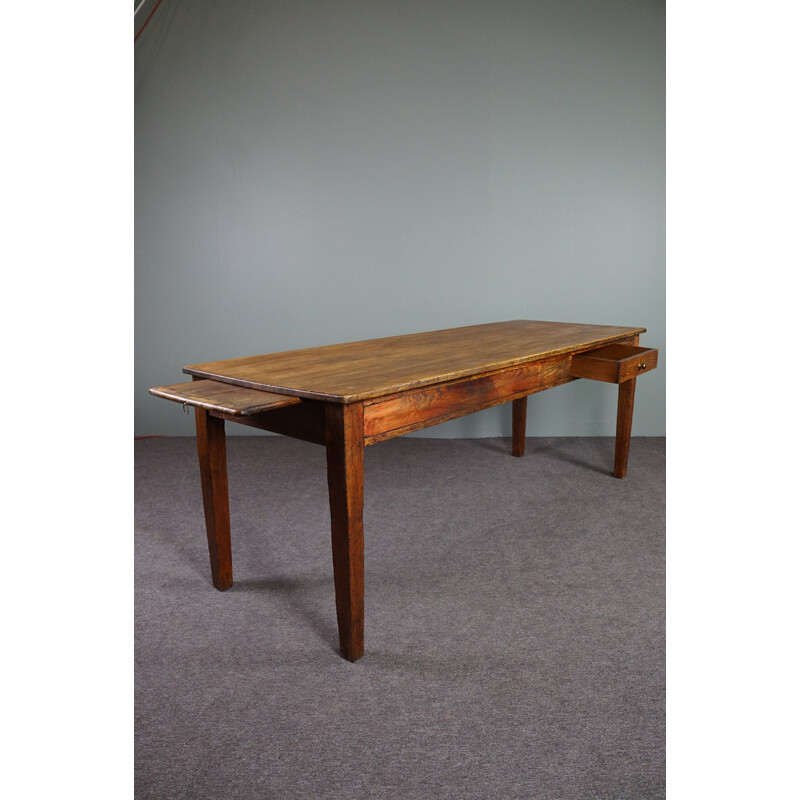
{"points": [[642, 366]]}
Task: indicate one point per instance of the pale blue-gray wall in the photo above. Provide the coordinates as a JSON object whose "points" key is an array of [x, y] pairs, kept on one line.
{"points": [[318, 172]]}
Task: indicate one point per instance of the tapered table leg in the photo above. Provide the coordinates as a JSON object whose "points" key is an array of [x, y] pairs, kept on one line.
{"points": [[344, 439], [627, 390], [214, 480], [519, 417]]}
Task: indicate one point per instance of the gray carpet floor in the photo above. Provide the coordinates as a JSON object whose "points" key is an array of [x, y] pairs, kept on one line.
{"points": [[514, 637]]}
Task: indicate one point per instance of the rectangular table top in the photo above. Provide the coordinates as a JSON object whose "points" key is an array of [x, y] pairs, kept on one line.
{"points": [[345, 373]]}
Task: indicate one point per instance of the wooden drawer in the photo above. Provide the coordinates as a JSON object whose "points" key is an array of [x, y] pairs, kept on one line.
{"points": [[614, 363]]}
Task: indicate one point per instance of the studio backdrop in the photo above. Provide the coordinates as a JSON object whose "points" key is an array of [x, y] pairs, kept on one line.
{"points": [[315, 172]]}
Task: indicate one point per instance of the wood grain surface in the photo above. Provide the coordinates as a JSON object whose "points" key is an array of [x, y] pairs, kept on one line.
{"points": [[223, 398], [345, 373]]}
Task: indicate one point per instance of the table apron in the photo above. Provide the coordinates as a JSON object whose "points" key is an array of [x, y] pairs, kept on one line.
{"points": [[409, 411], [305, 421]]}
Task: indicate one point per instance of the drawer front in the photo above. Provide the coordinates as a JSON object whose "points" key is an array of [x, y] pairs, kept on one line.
{"points": [[614, 363]]}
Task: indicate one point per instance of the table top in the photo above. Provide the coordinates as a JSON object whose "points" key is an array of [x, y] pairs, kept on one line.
{"points": [[345, 373]]}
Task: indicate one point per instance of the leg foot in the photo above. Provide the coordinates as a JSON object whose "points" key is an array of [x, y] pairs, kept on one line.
{"points": [[344, 435], [627, 390], [519, 418], [214, 480]]}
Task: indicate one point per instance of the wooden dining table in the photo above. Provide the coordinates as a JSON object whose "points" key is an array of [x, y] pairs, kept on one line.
{"points": [[348, 396]]}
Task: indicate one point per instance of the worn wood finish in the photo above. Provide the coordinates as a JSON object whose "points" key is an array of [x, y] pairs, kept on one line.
{"points": [[412, 411], [345, 455], [408, 408], [614, 363], [223, 398], [345, 373], [214, 483], [519, 420]]}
